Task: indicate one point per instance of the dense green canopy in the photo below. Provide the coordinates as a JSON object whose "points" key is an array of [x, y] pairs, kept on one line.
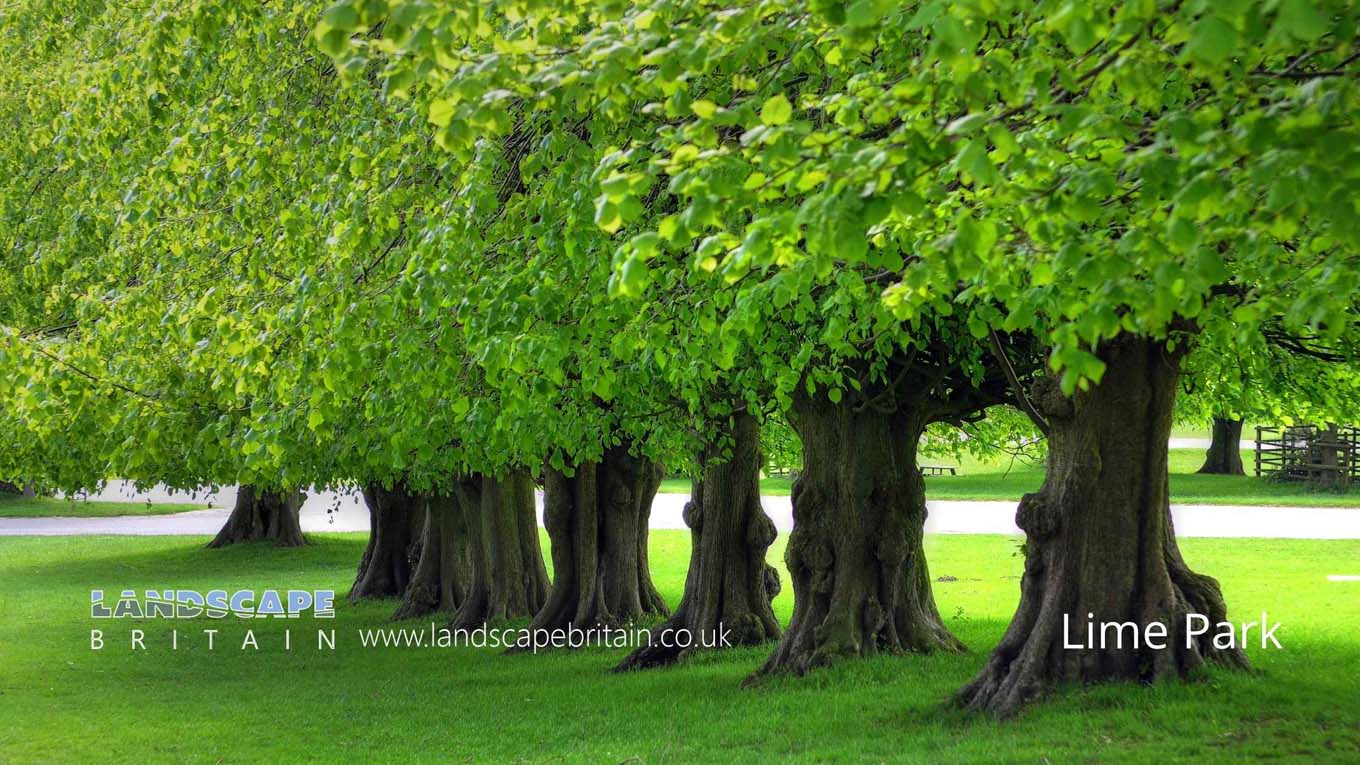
{"points": [[518, 228], [1090, 168]]}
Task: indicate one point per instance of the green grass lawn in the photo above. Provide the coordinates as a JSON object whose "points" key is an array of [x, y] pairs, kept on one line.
{"points": [[1007, 480], [61, 702], [12, 506]]}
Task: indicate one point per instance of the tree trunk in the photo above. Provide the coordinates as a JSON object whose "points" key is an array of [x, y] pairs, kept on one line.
{"points": [[1099, 541], [729, 586], [597, 521], [1225, 450], [395, 519], [263, 516], [29, 490], [860, 582], [439, 582], [507, 577]]}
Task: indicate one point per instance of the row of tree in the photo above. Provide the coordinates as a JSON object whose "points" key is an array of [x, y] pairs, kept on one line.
{"points": [[443, 250]]}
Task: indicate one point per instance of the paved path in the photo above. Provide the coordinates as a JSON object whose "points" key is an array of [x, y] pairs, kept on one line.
{"points": [[329, 511]]}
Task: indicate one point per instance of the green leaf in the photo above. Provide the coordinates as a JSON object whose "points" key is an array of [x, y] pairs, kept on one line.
{"points": [[861, 14], [966, 124], [1302, 19], [617, 187], [633, 277], [924, 16], [604, 386], [972, 159], [776, 110], [1181, 233], [1212, 41], [441, 112], [607, 215], [333, 42], [341, 16], [703, 108]]}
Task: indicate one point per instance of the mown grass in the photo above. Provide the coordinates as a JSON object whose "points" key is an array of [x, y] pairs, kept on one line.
{"points": [[1008, 479], [61, 702], [12, 506]]}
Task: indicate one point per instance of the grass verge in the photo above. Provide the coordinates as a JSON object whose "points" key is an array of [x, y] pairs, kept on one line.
{"points": [[62, 702], [53, 507]]}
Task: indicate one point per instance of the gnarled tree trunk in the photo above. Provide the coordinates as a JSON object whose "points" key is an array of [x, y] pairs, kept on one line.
{"points": [[859, 574], [1099, 541], [439, 582], [262, 515], [597, 521], [729, 586], [507, 578], [1225, 449], [395, 520]]}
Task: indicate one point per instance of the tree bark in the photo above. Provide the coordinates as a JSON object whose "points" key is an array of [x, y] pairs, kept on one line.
{"points": [[597, 521], [1225, 449], [439, 582], [395, 519], [1099, 541], [729, 586], [860, 581], [29, 490], [507, 578], [262, 515]]}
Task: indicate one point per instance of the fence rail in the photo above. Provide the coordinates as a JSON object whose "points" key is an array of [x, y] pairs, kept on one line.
{"points": [[1321, 454]]}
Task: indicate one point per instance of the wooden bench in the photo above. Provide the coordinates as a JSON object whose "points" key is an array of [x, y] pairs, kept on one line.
{"points": [[937, 470]]}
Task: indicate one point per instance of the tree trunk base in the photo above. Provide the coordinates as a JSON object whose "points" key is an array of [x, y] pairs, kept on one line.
{"points": [[439, 582], [260, 516], [395, 521], [597, 520], [1224, 456], [1100, 547], [860, 581], [729, 586], [507, 578]]}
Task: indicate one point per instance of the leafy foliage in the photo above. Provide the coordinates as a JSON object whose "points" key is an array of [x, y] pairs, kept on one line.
{"points": [[292, 243]]}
